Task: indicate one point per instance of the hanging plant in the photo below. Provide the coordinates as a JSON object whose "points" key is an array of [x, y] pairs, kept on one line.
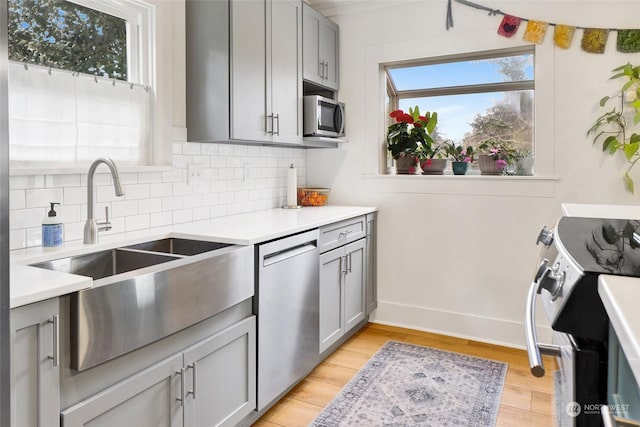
{"points": [[611, 127]]}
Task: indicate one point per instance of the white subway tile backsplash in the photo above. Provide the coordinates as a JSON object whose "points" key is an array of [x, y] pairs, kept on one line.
{"points": [[137, 222], [150, 205], [137, 191], [124, 208], [22, 182], [157, 198], [17, 239], [52, 181], [17, 199], [37, 198], [74, 195], [182, 215], [203, 212], [158, 219], [149, 177], [191, 148], [161, 190], [172, 203]]}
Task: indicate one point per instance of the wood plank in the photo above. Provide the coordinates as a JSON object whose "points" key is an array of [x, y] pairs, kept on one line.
{"points": [[526, 400]]}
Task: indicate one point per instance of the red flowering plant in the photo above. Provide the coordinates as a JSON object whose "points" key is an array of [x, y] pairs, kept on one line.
{"points": [[410, 134]]}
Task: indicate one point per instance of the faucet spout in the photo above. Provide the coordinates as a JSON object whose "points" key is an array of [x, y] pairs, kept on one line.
{"points": [[91, 227]]}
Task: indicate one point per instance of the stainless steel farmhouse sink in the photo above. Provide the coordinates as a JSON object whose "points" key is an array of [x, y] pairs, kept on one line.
{"points": [[99, 265], [147, 291]]}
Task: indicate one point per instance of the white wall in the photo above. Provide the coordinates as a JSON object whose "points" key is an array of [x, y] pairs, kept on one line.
{"points": [[457, 254]]}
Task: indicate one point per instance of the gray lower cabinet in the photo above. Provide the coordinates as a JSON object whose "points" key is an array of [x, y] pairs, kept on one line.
{"points": [[212, 383], [371, 285], [342, 291], [35, 390]]}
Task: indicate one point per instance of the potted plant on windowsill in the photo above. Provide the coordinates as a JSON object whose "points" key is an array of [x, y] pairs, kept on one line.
{"points": [[524, 161], [495, 155], [460, 157], [612, 126], [410, 132]]}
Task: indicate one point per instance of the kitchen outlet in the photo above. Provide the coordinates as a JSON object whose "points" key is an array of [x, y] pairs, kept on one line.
{"points": [[194, 173]]}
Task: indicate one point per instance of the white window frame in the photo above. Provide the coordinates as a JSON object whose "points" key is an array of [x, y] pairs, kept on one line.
{"points": [[395, 95], [375, 156], [141, 30]]}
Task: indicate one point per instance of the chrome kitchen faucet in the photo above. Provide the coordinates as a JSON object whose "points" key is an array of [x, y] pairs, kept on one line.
{"points": [[91, 227]]}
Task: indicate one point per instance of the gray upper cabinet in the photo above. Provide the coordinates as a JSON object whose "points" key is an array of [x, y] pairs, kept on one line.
{"points": [[244, 71], [266, 62], [35, 390], [320, 49]]}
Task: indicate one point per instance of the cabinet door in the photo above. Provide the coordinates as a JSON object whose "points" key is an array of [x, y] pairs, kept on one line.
{"points": [[329, 52], [312, 68], [35, 388], [320, 49], [371, 294], [332, 270], [354, 284], [221, 377], [249, 78], [152, 398], [285, 34]]}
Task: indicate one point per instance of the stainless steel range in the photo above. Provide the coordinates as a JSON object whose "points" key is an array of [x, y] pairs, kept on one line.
{"points": [[575, 253]]}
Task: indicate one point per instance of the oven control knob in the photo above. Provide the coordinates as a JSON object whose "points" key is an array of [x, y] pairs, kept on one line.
{"points": [[554, 281], [545, 237]]}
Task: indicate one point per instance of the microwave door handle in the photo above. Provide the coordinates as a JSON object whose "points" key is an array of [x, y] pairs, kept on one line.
{"points": [[338, 115], [534, 349]]}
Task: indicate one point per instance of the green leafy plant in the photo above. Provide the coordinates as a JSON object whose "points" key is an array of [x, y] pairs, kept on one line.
{"points": [[458, 153], [410, 135], [501, 150], [611, 128]]}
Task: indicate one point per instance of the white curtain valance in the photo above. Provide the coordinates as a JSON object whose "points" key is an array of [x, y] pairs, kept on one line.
{"points": [[60, 117]]}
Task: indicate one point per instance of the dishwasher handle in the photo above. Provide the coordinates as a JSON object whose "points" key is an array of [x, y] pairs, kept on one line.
{"points": [[288, 253]]}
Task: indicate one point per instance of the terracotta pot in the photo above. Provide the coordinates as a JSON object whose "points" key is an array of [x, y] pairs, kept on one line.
{"points": [[488, 166], [433, 166], [404, 163]]}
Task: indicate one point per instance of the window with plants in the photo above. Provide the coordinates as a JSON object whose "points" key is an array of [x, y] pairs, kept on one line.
{"points": [[484, 101]]}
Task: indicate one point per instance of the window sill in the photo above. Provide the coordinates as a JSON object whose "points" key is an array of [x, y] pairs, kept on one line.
{"points": [[25, 171], [481, 185]]}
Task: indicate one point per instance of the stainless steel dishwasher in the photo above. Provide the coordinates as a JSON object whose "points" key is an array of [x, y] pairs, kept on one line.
{"points": [[287, 304]]}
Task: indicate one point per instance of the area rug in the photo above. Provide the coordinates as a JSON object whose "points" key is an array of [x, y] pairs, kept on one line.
{"points": [[412, 385]]}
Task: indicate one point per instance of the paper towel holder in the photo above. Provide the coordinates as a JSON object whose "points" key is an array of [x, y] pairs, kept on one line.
{"points": [[292, 186]]}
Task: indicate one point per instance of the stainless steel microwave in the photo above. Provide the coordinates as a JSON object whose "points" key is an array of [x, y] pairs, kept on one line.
{"points": [[323, 117]]}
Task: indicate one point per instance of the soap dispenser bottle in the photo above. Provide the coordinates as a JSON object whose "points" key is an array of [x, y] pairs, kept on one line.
{"points": [[52, 229]]}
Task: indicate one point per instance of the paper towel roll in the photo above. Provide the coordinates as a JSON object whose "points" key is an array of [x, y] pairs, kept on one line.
{"points": [[292, 186]]}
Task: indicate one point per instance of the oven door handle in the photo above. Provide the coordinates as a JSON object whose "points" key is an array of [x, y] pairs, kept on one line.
{"points": [[534, 349]]}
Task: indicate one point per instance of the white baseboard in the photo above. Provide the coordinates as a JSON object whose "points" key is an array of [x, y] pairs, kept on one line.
{"points": [[467, 326]]}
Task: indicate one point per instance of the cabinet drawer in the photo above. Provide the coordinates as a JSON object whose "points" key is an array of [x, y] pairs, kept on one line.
{"points": [[342, 232]]}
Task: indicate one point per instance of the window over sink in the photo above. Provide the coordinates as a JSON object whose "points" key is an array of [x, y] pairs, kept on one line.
{"points": [[80, 81]]}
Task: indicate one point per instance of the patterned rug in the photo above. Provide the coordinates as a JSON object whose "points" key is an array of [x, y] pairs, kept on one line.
{"points": [[411, 385]]}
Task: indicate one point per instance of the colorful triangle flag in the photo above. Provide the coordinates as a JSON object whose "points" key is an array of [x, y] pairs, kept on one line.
{"points": [[563, 35], [509, 25], [594, 40], [535, 32], [628, 41]]}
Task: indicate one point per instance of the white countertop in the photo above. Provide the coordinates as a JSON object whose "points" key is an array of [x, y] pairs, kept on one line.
{"points": [[620, 296], [30, 284], [601, 211]]}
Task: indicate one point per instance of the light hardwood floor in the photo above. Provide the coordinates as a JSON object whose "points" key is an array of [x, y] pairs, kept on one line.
{"points": [[526, 400]]}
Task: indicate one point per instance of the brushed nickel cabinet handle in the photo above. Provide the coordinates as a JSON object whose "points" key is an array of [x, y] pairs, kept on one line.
{"points": [[193, 377], [277, 119], [181, 397], [56, 340]]}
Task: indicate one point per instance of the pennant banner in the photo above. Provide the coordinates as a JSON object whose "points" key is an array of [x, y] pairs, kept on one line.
{"points": [[594, 40]]}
